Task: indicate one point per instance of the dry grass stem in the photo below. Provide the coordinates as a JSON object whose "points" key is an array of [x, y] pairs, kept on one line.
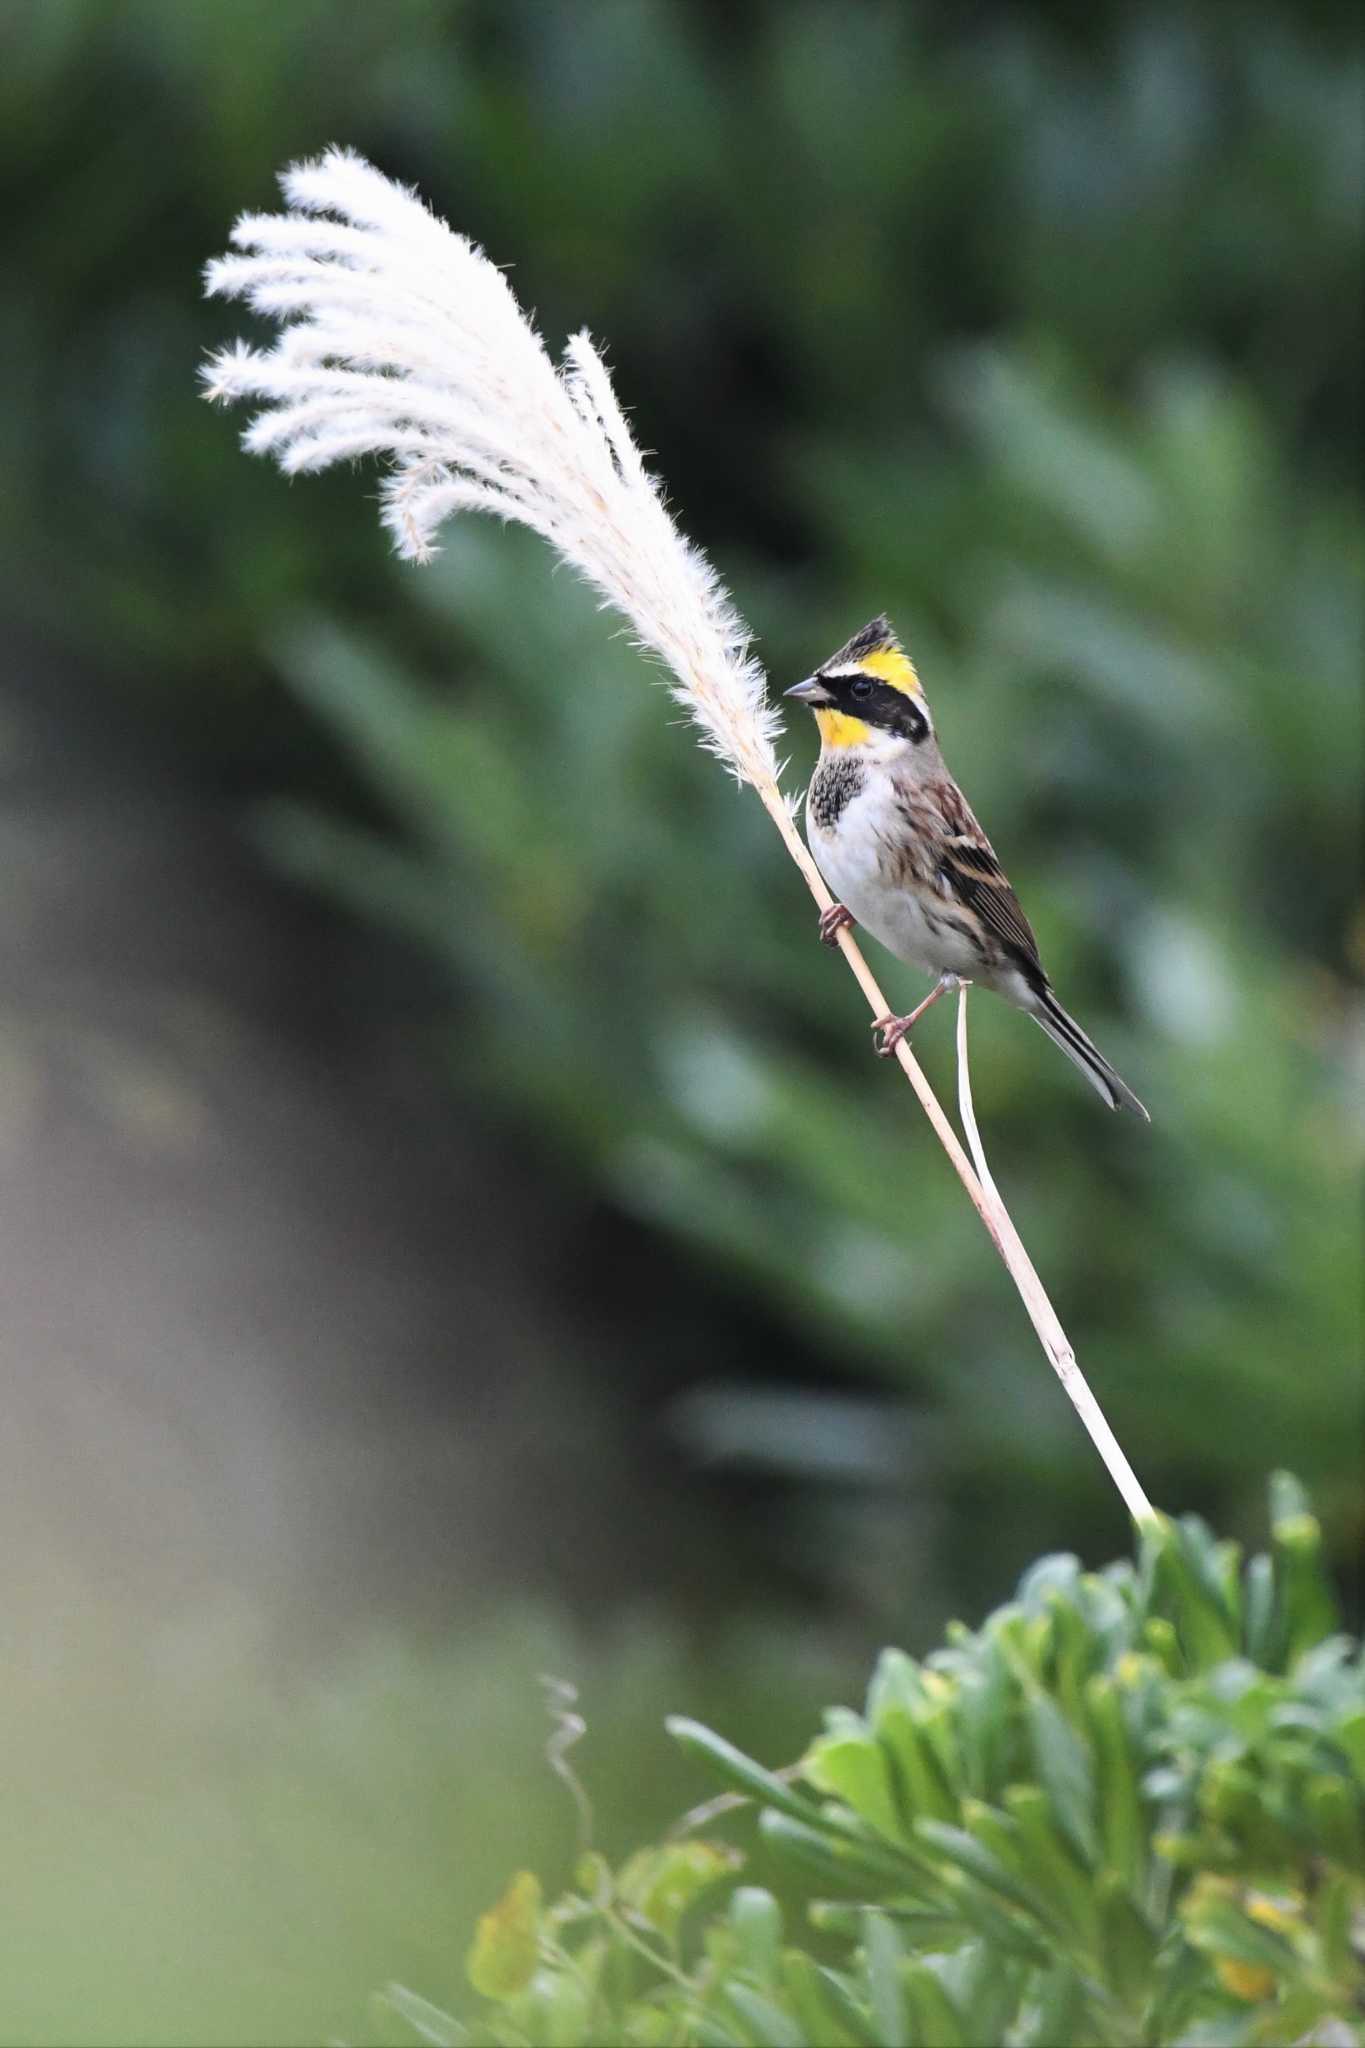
{"points": [[1043, 1316], [400, 339]]}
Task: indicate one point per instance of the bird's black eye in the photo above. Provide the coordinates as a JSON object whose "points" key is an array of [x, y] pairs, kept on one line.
{"points": [[862, 687]]}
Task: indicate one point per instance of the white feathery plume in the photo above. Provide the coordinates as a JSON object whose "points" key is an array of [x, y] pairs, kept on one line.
{"points": [[401, 339]]}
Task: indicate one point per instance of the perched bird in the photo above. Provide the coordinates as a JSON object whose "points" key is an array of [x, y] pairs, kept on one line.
{"points": [[898, 844]]}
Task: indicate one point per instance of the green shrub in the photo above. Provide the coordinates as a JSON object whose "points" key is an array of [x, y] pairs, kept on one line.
{"points": [[1128, 1809]]}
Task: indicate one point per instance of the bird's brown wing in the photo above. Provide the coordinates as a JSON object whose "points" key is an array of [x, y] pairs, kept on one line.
{"points": [[969, 873]]}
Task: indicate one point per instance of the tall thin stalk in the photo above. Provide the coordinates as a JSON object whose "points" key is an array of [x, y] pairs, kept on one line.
{"points": [[400, 339]]}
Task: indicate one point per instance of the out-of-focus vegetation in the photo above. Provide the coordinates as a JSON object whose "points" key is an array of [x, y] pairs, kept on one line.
{"points": [[1044, 338], [1130, 1808], [208, 1841], [1038, 327]]}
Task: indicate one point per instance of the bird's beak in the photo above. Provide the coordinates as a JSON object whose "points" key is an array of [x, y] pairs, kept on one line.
{"points": [[811, 692]]}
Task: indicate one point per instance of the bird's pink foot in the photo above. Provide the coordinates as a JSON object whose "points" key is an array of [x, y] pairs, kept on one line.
{"points": [[833, 921], [894, 1029]]}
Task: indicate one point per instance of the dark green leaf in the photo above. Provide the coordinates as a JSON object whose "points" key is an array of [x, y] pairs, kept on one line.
{"points": [[1128, 1942], [836, 1858], [1119, 1800], [1067, 1771], [735, 1769]]}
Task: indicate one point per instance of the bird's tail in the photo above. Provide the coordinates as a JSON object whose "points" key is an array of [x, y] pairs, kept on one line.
{"points": [[1067, 1033]]}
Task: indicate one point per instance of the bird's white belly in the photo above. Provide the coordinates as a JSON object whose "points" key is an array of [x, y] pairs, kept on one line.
{"points": [[848, 860]]}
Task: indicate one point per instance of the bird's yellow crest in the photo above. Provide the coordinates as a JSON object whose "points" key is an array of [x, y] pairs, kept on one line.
{"points": [[894, 666], [877, 651]]}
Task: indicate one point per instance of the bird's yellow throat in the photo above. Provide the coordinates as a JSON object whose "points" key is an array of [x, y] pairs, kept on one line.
{"points": [[839, 730]]}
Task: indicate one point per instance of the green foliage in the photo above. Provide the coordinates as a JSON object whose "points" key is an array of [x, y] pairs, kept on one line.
{"points": [[1129, 1809]]}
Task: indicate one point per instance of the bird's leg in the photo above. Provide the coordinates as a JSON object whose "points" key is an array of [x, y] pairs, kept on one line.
{"points": [[894, 1029], [833, 921]]}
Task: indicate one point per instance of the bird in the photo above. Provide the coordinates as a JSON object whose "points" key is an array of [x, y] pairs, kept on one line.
{"points": [[903, 854]]}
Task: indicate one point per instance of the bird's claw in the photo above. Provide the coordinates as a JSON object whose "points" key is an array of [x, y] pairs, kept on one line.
{"points": [[893, 1030], [833, 921]]}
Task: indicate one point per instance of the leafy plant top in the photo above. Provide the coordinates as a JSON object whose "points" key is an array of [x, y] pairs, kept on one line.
{"points": [[1129, 1809]]}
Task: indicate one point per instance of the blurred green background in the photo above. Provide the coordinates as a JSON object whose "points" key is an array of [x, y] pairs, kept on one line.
{"points": [[455, 1229]]}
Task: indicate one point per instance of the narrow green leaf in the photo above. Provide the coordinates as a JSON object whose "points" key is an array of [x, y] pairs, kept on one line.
{"points": [[711, 2034], [838, 1859], [985, 1987], [1228, 1564], [1060, 2012], [882, 1958], [1066, 1769], [1180, 1990], [1051, 1867], [836, 1916], [1074, 1651], [980, 1863], [431, 2026], [852, 2013], [740, 1771], [920, 1929], [1123, 1832], [1307, 1605], [937, 1725], [1105, 1601], [1004, 1933], [756, 1920], [915, 1762], [1128, 1943], [819, 2019], [1190, 1592], [1259, 1630], [997, 1833], [765, 2022], [935, 2020], [983, 1715]]}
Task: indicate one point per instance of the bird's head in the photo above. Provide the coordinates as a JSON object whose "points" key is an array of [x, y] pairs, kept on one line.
{"points": [[869, 688]]}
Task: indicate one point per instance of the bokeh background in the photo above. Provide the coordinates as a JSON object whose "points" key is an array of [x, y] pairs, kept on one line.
{"points": [[453, 1229]]}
